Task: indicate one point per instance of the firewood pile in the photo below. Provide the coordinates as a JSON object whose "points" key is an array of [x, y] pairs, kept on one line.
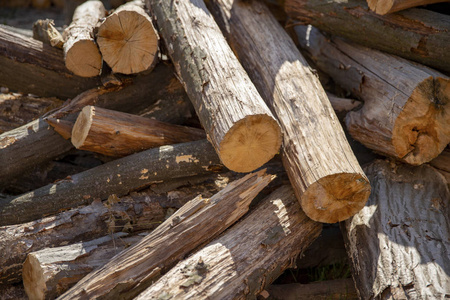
{"points": [[197, 150]]}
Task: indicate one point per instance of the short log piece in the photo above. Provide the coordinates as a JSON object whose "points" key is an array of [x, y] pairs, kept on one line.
{"points": [[406, 111], [81, 52], [383, 7], [237, 121], [398, 244], [127, 39]]}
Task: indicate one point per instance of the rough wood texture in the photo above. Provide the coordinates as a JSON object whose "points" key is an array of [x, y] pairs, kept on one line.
{"points": [[81, 53], [236, 119], [398, 243], [127, 39], [442, 162], [246, 258], [316, 154], [383, 7], [116, 177], [416, 34], [30, 66], [120, 134], [406, 112], [13, 292], [44, 30], [196, 223]]}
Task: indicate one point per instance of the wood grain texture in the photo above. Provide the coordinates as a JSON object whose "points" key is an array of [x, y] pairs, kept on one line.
{"points": [[236, 119], [383, 7], [398, 243]]}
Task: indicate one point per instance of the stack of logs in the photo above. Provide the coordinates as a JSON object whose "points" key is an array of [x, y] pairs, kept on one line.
{"points": [[172, 101]]}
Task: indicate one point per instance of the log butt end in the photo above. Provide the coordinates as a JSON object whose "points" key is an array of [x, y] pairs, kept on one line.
{"points": [[33, 279], [335, 198], [84, 59], [82, 126], [250, 143]]}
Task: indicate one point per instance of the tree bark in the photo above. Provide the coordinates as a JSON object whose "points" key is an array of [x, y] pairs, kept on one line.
{"points": [[316, 154], [383, 7], [236, 119], [196, 223], [119, 134], [416, 34], [127, 39], [246, 258], [406, 114], [116, 177], [398, 243], [30, 66], [81, 52]]}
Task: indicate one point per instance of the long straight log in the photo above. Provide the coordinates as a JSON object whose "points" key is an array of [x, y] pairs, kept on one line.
{"points": [[416, 34], [196, 223], [406, 111], [383, 7], [398, 244], [246, 258], [316, 154], [236, 119], [116, 177]]}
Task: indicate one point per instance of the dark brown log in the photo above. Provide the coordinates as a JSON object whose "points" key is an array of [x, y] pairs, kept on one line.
{"points": [[383, 7], [416, 34], [120, 134], [236, 119], [442, 162], [13, 292], [398, 243], [196, 223], [246, 258], [406, 112], [127, 39], [81, 52]]}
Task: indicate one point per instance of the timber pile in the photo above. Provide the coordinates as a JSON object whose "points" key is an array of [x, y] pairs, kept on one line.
{"points": [[138, 150]]}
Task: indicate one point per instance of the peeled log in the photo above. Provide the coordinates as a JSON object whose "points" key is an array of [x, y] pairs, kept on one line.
{"points": [[237, 121], [406, 111], [127, 39], [383, 7], [80, 50]]}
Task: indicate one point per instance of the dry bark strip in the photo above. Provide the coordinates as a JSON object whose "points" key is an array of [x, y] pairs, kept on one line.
{"points": [[127, 39], [30, 66], [196, 223], [406, 113], [316, 154], [246, 258], [383, 7], [236, 119], [416, 34], [81, 52], [398, 243], [116, 177]]}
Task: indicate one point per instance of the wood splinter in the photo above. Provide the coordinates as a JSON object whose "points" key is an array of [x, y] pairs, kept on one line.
{"points": [[383, 7]]}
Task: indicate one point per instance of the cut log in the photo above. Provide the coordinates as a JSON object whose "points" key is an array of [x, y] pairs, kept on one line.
{"points": [[246, 258], [383, 7], [81, 53], [398, 243], [406, 114], [30, 66], [316, 154], [127, 39], [119, 134], [236, 119], [196, 223], [49, 272], [116, 177], [416, 34], [138, 212]]}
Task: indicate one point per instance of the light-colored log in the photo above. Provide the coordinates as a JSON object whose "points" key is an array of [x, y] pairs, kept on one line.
{"points": [[406, 111], [383, 7], [237, 121], [80, 49], [127, 39]]}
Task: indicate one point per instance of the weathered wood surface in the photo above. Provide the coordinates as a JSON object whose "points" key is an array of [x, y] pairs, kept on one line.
{"points": [[45, 31], [383, 7], [398, 243], [81, 52], [127, 39], [116, 177], [416, 34], [246, 258], [30, 66], [120, 134], [13, 292], [315, 151], [406, 111], [236, 119], [196, 223]]}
